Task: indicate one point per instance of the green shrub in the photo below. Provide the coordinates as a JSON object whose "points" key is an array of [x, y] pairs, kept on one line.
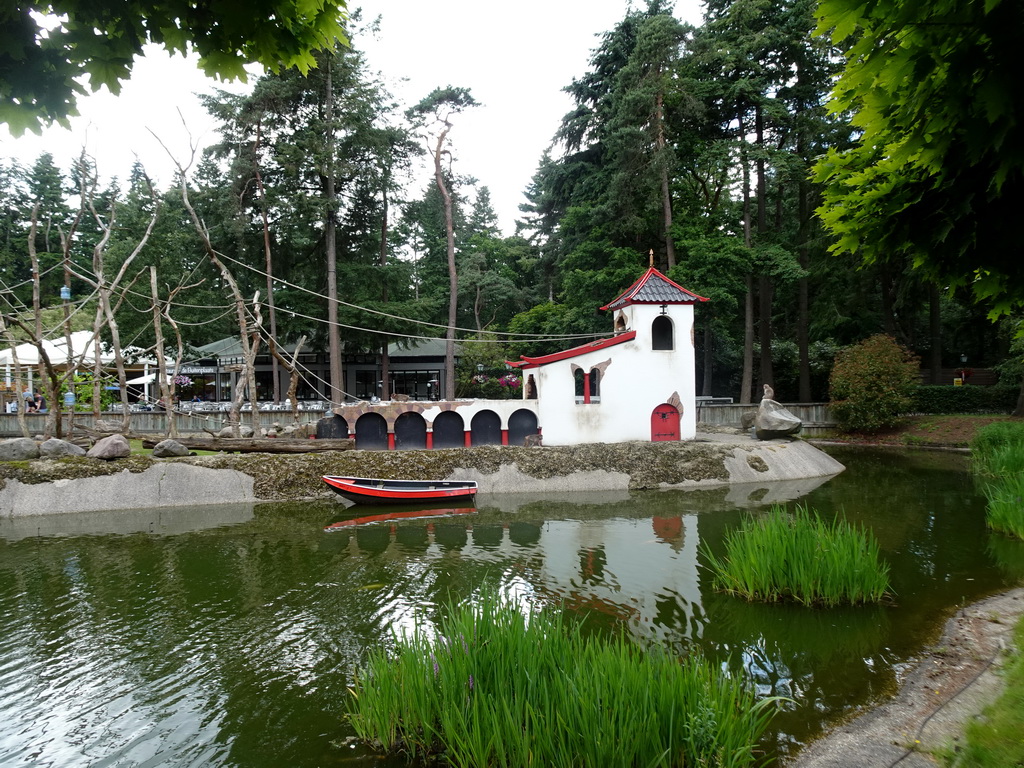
{"points": [[800, 557], [966, 399], [492, 687], [872, 384]]}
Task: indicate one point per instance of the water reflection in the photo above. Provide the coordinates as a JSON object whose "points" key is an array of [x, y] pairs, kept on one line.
{"points": [[230, 641]]}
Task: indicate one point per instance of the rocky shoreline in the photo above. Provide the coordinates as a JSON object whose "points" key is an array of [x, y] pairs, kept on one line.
{"points": [[79, 483]]}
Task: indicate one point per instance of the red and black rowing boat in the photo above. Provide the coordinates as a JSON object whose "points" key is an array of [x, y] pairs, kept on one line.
{"points": [[369, 490]]}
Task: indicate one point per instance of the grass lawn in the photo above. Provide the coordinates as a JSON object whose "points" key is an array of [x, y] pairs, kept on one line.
{"points": [[937, 430], [995, 739]]}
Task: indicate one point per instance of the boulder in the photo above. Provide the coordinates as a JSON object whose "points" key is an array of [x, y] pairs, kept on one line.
{"points": [[774, 421], [54, 448], [747, 420], [110, 447], [107, 425], [168, 448], [19, 449]]}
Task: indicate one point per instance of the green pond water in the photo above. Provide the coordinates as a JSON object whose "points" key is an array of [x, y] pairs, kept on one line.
{"points": [[227, 636]]}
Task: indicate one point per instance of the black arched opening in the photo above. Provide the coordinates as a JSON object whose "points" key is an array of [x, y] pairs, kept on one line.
{"points": [[371, 432], [485, 429], [520, 424], [661, 333], [332, 428], [410, 431], [449, 430]]}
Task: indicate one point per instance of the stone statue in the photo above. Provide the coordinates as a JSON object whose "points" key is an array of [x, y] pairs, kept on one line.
{"points": [[773, 420]]}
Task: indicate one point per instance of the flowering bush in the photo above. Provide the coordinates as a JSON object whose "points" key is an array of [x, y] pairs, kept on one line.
{"points": [[182, 381], [510, 380]]}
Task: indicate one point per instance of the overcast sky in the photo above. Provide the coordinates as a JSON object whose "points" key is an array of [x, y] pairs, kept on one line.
{"points": [[514, 57]]}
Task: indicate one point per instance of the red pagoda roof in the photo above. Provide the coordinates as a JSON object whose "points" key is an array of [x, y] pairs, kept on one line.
{"points": [[654, 288]]}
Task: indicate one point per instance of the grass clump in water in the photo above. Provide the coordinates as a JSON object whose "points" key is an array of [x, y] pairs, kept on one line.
{"points": [[493, 687], [800, 557], [997, 455]]}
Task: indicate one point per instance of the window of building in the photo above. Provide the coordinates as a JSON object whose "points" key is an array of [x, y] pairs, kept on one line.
{"points": [[661, 333]]}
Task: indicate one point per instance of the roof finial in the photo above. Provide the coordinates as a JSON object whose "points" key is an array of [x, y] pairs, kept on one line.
{"points": [[652, 258]]}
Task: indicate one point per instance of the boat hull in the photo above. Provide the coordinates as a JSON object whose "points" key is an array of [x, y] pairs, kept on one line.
{"points": [[368, 490]]}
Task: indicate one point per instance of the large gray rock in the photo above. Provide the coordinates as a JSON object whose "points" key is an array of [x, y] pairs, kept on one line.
{"points": [[107, 425], [110, 447], [774, 421], [167, 448], [54, 448], [19, 449]]}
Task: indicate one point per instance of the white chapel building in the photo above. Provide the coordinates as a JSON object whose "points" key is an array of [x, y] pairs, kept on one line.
{"points": [[639, 384]]}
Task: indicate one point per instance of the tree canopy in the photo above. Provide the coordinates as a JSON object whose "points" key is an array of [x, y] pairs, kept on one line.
{"points": [[48, 47], [939, 169]]}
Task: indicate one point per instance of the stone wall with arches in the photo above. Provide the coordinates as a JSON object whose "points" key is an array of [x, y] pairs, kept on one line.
{"points": [[433, 424]]}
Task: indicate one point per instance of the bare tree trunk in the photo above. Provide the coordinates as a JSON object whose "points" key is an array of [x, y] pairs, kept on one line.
{"points": [[166, 387], [330, 236], [935, 332], [766, 289], [271, 313], [747, 378], [292, 366], [453, 279], [666, 192], [709, 358]]}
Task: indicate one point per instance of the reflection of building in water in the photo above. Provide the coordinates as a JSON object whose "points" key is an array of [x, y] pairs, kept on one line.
{"points": [[642, 571]]}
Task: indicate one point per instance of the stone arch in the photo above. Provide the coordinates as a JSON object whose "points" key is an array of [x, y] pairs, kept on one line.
{"points": [[371, 432], [485, 429], [520, 424], [332, 428], [410, 431], [662, 333], [449, 430]]}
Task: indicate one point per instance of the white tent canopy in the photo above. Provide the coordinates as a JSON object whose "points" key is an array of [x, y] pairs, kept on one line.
{"points": [[82, 343]]}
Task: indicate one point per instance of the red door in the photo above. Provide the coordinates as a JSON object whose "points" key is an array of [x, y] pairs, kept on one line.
{"points": [[665, 423]]}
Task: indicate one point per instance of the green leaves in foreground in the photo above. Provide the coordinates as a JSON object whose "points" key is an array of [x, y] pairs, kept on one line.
{"points": [[800, 557], [493, 687]]}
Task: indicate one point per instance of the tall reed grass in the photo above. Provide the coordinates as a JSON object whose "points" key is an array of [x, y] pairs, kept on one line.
{"points": [[997, 456], [800, 557], [1005, 512], [493, 687]]}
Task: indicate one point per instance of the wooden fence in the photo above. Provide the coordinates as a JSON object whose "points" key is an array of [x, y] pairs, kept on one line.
{"points": [[155, 422], [816, 417]]}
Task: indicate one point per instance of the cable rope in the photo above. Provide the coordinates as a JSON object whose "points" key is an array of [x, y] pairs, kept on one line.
{"points": [[406, 319]]}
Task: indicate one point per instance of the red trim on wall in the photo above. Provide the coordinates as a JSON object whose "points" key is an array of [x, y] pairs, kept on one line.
{"points": [[430, 439], [469, 439], [391, 441], [504, 437], [533, 362]]}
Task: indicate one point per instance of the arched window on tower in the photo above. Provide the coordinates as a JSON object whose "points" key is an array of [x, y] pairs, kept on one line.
{"points": [[661, 333]]}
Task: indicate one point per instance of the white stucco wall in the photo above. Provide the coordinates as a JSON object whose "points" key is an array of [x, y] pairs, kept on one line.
{"points": [[635, 382]]}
